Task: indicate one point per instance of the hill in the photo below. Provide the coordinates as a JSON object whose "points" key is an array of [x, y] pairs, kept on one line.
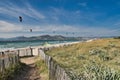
{"points": [[44, 37]]}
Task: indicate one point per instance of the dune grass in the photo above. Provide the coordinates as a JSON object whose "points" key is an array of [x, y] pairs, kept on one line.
{"points": [[10, 72], [42, 68], [81, 59]]}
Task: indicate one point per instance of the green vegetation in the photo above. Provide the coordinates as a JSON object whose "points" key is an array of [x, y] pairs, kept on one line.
{"points": [[42, 68], [10, 72], [96, 60]]}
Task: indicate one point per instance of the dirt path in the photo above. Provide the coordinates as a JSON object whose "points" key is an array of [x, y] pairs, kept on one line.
{"points": [[29, 71]]}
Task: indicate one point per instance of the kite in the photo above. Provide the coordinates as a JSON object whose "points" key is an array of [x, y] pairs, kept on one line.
{"points": [[20, 18], [30, 30]]}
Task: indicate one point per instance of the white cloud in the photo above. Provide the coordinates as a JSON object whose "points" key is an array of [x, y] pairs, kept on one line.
{"points": [[10, 30], [9, 27], [34, 12], [14, 10], [58, 14], [6, 26], [79, 30], [57, 28]]}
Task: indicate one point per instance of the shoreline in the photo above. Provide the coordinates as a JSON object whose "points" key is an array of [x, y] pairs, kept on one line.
{"points": [[40, 46], [47, 46]]}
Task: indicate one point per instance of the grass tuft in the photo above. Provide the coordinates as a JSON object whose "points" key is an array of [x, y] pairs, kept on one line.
{"points": [[42, 68]]}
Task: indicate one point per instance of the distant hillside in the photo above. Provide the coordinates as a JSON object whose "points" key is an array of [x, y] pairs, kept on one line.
{"points": [[43, 37], [118, 37]]}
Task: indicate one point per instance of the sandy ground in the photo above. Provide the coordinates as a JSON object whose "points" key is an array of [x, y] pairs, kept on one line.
{"points": [[29, 72]]}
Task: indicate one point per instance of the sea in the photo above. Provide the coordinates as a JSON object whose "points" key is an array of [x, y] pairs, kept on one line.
{"points": [[22, 44]]}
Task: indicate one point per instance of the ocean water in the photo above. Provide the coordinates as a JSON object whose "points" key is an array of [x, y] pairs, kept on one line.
{"points": [[14, 45]]}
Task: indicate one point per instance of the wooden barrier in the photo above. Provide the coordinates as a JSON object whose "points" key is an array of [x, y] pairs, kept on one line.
{"points": [[56, 72], [8, 60], [25, 52]]}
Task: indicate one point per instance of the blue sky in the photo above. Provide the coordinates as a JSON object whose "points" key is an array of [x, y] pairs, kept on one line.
{"points": [[58, 17]]}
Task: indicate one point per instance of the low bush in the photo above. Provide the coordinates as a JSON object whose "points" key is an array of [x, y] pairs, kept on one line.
{"points": [[99, 72], [10, 72], [42, 68]]}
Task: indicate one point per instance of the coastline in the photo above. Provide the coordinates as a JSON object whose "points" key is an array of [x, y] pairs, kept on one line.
{"points": [[47, 46], [40, 46]]}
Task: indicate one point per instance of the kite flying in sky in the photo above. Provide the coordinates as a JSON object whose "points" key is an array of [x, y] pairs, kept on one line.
{"points": [[30, 30], [20, 18]]}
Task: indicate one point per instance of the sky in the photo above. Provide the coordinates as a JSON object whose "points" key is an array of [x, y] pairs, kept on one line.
{"points": [[60, 17]]}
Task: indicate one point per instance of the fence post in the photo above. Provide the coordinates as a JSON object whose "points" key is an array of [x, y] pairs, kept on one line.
{"points": [[3, 65], [18, 52], [31, 51]]}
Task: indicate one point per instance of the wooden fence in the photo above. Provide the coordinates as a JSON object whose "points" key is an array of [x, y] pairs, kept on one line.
{"points": [[56, 72], [8, 59], [25, 52]]}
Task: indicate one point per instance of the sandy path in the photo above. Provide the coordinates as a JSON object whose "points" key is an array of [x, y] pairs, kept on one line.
{"points": [[29, 71]]}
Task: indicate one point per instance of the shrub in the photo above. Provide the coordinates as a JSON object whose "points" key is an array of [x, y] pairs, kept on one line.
{"points": [[104, 56], [9, 73], [81, 57], [95, 51], [116, 53], [98, 72]]}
